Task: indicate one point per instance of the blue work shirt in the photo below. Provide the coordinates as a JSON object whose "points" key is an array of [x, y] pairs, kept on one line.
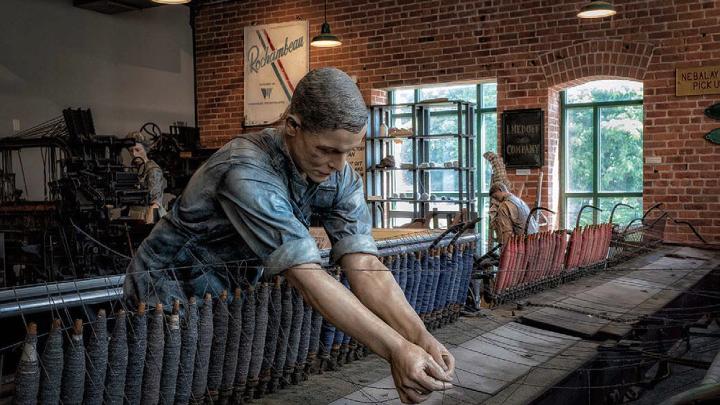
{"points": [[245, 212]]}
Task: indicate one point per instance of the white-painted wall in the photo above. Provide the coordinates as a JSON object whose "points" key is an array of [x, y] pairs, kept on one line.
{"points": [[129, 68]]}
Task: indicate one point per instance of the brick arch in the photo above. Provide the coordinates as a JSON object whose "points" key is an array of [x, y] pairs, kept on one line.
{"points": [[574, 64]]}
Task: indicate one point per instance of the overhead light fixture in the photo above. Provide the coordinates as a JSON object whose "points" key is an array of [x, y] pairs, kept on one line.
{"points": [[326, 39], [171, 1], [597, 9]]}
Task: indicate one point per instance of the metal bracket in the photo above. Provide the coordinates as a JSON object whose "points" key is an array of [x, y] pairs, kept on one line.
{"points": [[579, 215]]}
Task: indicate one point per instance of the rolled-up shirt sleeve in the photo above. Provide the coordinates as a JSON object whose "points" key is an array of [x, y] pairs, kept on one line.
{"points": [[348, 223], [259, 208]]}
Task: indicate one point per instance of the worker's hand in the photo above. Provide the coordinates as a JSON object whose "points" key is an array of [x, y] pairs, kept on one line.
{"points": [[416, 373], [439, 353]]}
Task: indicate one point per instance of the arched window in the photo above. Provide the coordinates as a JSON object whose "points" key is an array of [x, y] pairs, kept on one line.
{"points": [[602, 150]]}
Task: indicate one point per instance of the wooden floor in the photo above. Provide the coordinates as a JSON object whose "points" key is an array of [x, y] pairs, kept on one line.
{"points": [[512, 356]]}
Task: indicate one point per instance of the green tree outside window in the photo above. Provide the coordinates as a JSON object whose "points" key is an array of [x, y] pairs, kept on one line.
{"points": [[602, 138]]}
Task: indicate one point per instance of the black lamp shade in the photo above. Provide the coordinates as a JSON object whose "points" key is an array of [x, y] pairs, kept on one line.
{"points": [[326, 39]]}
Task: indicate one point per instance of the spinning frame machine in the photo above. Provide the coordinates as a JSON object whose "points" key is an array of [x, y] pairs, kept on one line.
{"points": [[262, 337]]}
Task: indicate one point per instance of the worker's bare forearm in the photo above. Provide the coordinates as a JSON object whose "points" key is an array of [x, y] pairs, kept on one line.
{"points": [[374, 285], [339, 306]]}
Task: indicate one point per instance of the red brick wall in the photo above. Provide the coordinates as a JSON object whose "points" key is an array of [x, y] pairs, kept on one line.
{"points": [[532, 48]]}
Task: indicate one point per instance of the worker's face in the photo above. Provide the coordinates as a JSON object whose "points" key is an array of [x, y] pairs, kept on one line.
{"points": [[318, 155], [138, 151]]}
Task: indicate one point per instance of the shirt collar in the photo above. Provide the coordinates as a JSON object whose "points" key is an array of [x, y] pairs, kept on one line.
{"points": [[293, 171], [299, 184]]}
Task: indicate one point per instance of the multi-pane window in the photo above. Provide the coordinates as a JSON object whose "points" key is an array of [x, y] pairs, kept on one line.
{"points": [[444, 120], [602, 146]]}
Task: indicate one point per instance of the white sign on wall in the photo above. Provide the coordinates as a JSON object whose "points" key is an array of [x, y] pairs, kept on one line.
{"points": [[277, 56]]}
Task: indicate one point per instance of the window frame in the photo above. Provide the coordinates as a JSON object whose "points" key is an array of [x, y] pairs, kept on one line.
{"points": [[595, 194]]}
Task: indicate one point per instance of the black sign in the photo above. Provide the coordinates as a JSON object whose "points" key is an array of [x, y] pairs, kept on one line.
{"points": [[523, 138]]}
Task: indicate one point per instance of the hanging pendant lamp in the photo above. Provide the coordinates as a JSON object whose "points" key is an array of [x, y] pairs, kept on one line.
{"points": [[597, 9], [326, 39], [171, 1]]}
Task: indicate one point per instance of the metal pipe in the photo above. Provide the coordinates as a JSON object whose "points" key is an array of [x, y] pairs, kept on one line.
{"points": [[104, 289], [612, 213], [47, 303], [653, 207], [15, 294], [577, 220], [534, 210]]}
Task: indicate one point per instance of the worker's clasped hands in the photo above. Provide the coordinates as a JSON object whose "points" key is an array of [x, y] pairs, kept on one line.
{"points": [[419, 369]]}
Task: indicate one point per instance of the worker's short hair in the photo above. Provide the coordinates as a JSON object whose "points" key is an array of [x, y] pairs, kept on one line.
{"points": [[141, 138], [498, 187], [328, 99]]}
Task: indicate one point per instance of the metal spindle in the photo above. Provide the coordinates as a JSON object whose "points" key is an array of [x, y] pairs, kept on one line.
{"points": [[283, 337], [137, 346], [233, 343], [27, 375], [52, 366], [304, 345], [117, 362], [245, 348], [96, 361], [188, 344], [73, 378], [314, 344], [258, 345], [171, 357], [219, 341], [202, 356], [154, 357], [271, 338], [294, 340]]}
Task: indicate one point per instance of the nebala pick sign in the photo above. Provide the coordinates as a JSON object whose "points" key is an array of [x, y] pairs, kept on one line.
{"points": [[276, 56], [697, 80]]}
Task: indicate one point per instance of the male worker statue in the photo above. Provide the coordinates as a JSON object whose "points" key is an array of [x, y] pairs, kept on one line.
{"points": [[253, 199], [150, 175], [512, 214]]}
